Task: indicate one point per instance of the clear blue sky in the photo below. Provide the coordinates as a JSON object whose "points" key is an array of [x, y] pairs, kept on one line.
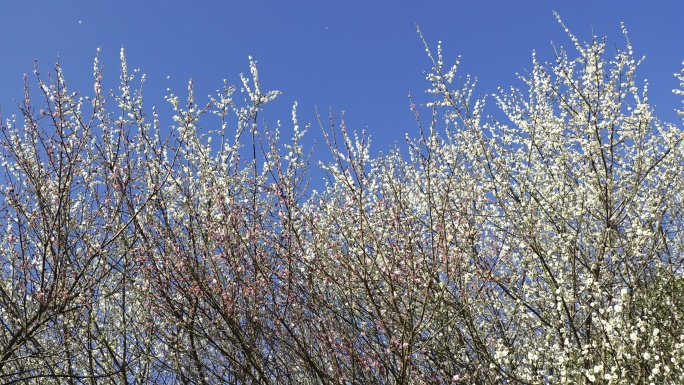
{"points": [[361, 57]]}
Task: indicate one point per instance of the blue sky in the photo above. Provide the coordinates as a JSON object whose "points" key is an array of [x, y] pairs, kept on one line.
{"points": [[361, 57]]}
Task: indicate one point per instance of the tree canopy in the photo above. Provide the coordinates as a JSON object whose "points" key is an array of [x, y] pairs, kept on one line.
{"points": [[540, 245]]}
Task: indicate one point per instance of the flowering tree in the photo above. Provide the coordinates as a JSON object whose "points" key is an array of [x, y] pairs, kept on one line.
{"points": [[584, 247], [70, 202], [544, 247]]}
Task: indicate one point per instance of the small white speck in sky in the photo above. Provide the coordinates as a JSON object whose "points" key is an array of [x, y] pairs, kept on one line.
{"points": [[80, 22], [168, 76]]}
